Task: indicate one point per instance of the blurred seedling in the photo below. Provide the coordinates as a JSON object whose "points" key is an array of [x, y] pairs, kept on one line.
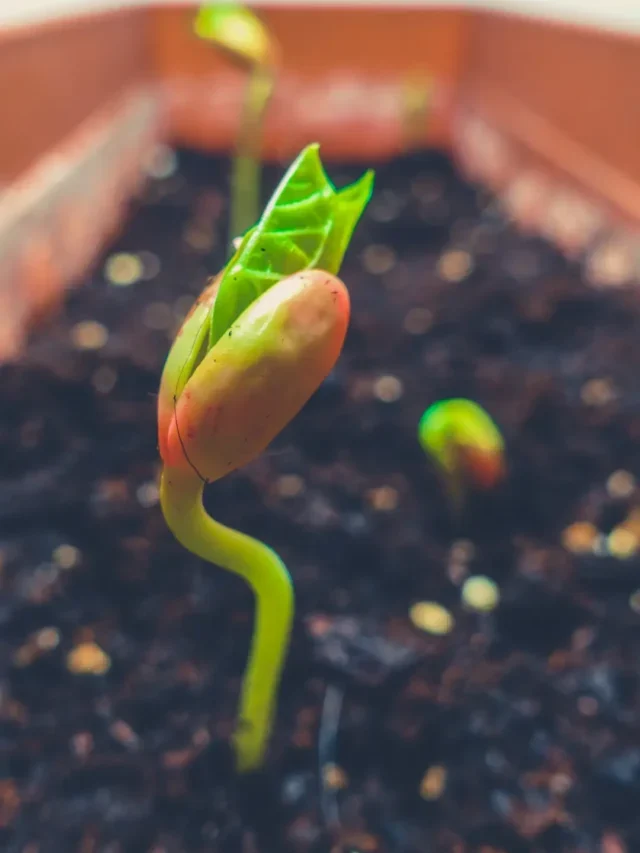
{"points": [[466, 447], [244, 37]]}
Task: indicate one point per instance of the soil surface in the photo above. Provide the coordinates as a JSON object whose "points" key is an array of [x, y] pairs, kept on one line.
{"points": [[517, 731]]}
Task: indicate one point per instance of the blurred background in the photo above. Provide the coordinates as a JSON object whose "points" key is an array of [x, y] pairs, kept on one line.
{"points": [[464, 682]]}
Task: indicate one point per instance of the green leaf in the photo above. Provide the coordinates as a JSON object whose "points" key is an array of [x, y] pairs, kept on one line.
{"points": [[306, 225]]}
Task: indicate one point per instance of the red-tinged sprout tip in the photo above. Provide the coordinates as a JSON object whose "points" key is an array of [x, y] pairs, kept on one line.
{"points": [[464, 441], [257, 377], [486, 468]]}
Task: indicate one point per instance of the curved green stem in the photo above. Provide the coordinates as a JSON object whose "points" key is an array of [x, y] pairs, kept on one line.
{"points": [[264, 571]]}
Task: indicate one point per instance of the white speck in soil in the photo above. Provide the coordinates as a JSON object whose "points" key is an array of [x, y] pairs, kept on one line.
{"points": [[89, 335], [418, 321], [388, 389], [147, 495], [123, 269], [378, 260]]}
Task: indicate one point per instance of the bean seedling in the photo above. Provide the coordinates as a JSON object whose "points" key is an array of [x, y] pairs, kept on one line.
{"points": [[258, 342], [466, 446]]}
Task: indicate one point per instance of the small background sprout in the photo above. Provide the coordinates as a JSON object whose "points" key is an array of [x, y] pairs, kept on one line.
{"points": [[242, 35], [466, 446]]}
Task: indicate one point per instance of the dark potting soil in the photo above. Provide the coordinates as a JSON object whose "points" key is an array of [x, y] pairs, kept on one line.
{"points": [[121, 654]]}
